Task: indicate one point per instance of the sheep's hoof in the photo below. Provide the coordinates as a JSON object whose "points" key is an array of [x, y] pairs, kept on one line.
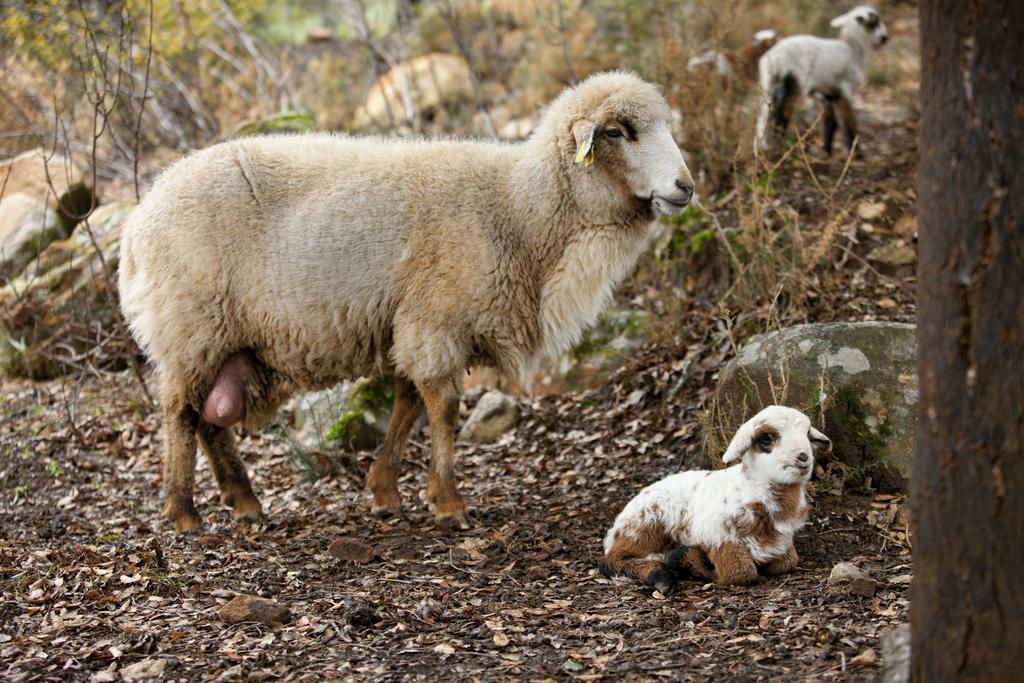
{"points": [[385, 510], [182, 513], [247, 510], [450, 514], [452, 522], [386, 502], [662, 580]]}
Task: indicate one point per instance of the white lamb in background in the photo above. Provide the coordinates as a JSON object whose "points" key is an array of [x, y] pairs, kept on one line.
{"points": [[828, 68], [724, 525]]}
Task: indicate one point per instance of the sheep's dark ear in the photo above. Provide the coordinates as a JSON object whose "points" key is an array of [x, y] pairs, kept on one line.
{"points": [[821, 444], [584, 132]]}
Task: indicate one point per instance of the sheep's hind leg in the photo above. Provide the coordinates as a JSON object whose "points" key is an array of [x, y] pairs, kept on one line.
{"points": [[442, 401], [180, 467], [218, 444], [849, 120], [382, 479]]}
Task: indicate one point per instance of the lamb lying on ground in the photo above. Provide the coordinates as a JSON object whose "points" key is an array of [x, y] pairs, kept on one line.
{"points": [[739, 63], [266, 265], [829, 69], [724, 525]]}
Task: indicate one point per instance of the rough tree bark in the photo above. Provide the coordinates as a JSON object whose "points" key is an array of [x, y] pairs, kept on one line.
{"points": [[967, 601]]}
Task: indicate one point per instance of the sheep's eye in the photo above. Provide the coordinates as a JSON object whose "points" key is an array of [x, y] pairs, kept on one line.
{"points": [[612, 133], [765, 441]]}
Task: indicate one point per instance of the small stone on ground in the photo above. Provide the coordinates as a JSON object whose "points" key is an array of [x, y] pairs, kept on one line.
{"points": [[351, 550], [252, 608]]}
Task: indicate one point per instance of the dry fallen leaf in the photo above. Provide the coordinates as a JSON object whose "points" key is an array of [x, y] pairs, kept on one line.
{"points": [[866, 658]]}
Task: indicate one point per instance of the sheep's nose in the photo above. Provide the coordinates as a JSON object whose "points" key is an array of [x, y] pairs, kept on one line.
{"points": [[686, 186], [803, 457], [884, 39]]}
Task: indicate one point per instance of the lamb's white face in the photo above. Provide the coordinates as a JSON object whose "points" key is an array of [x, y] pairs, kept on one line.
{"points": [[778, 444], [655, 168], [866, 20]]}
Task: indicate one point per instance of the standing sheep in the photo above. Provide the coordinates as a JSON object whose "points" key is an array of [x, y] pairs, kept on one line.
{"points": [[825, 67], [266, 265]]}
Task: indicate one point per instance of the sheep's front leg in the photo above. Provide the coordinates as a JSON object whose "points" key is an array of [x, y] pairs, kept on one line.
{"points": [[733, 564], [218, 443], [829, 124], [784, 564], [180, 467], [849, 120], [442, 401], [382, 479]]}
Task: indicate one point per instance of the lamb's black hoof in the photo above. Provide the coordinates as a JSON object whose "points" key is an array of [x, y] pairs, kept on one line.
{"points": [[662, 580]]}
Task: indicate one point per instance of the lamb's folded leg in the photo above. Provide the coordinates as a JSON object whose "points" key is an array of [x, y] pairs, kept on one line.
{"points": [[733, 564], [639, 554], [442, 401], [784, 564], [690, 562], [225, 404], [382, 479]]}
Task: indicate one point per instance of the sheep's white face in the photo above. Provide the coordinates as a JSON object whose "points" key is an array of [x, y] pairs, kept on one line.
{"points": [[778, 445], [654, 166], [867, 21]]}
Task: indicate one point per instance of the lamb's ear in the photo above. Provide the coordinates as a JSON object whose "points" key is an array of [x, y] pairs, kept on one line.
{"points": [[740, 444], [840, 20], [584, 131], [821, 444]]}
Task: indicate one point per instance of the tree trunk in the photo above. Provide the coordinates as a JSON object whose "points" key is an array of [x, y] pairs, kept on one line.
{"points": [[967, 601]]}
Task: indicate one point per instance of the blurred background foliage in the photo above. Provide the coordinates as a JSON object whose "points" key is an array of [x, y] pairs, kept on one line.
{"points": [[178, 74]]}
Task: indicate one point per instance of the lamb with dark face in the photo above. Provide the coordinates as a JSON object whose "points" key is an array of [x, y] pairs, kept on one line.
{"points": [[724, 525], [828, 69]]}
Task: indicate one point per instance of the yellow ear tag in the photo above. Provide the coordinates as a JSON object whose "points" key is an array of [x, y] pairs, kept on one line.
{"points": [[585, 152]]}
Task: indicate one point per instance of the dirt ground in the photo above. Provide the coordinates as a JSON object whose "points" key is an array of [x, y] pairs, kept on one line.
{"points": [[94, 582], [94, 586]]}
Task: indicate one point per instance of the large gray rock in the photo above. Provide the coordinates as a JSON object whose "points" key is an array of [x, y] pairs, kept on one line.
{"points": [[60, 297], [27, 226], [50, 179], [864, 377], [603, 350], [495, 413], [351, 415]]}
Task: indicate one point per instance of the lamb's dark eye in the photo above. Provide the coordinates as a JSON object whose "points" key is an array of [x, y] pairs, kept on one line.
{"points": [[612, 133], [765, 441]]}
